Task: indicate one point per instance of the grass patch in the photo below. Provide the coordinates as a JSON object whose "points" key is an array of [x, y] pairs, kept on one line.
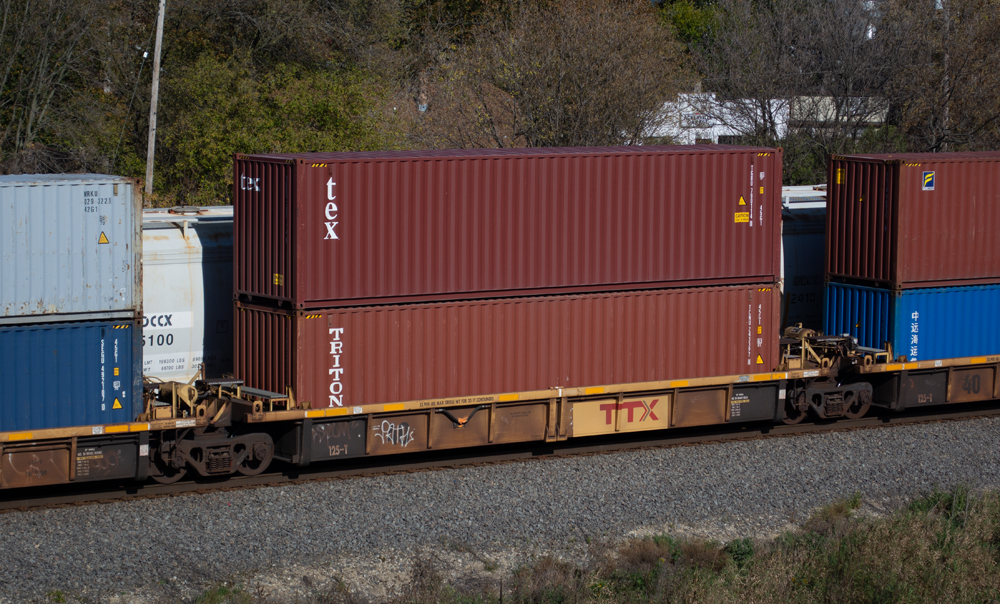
{"points": [[56, 596], [224, 594]]}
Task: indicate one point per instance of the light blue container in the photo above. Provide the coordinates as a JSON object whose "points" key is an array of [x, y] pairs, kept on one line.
{"points": [[922, 324], [70, 248], [70, 374]]}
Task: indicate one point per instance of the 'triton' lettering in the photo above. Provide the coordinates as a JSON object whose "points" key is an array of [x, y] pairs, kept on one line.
{"points": [[336, 372], [331, 210]]}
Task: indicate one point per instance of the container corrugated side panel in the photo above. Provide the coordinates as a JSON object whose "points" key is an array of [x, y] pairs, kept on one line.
{"points": [[861, 219], [921, 324], [863, 312], [949, 234], [63, 374], [263, 215], [411, 352], [947, 322], [69, 249], [890, 226], [423, 228]]}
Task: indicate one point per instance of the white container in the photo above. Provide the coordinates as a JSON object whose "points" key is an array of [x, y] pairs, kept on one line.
{"points": [[70, 248], [188, 292]]}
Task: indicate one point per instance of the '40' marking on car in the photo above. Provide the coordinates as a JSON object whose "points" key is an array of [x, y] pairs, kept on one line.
{"points": [[630, 406]]}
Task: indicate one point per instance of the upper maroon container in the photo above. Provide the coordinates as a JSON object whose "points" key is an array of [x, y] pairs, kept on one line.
{"points": [[330, 229], [914, 220]]}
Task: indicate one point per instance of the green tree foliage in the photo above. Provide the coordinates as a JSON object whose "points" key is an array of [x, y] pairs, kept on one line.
{"points": [[237, 76], [691, 19], [215, 108]]}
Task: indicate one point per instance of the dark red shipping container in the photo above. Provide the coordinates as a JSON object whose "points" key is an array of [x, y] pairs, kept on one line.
{"points": [[914, 220], [364, 355], [332, 229]]}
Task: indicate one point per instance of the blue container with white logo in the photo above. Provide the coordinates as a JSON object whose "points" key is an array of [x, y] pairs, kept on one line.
{"points": [[922, 324], [59, 375]]}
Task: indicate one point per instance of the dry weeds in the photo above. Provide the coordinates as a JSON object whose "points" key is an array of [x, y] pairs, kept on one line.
{"points": [[942, 548]]}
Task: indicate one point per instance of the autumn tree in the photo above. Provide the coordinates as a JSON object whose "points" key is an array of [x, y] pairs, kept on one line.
{"points": [[947, 90], [45, 65], [565, 73]]}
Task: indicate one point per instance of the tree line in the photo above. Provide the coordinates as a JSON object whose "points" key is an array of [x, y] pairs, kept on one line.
{"points": [[329, 75]]}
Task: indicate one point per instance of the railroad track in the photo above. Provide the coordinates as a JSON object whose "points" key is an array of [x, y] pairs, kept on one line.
{"points": [[283, 474]]}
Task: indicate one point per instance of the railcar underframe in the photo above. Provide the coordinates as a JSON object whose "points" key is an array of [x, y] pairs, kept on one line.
{"points": [[224, 428]]}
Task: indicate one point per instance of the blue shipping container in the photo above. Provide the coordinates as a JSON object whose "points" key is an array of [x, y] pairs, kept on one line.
{"points": [[70, 374], [922, 324]]}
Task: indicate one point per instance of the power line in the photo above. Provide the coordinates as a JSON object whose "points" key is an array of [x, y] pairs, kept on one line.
{"points": [[145, 53]]}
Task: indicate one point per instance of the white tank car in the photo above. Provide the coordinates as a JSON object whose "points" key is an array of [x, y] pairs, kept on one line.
{"points": [[187, 256]]}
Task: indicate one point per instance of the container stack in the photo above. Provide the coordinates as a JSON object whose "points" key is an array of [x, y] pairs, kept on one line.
{"points": [[913, 257], [380, 277], [70, 301]]}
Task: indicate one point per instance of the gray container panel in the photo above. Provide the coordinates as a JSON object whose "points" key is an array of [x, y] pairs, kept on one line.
{"points": [[69, 246]]}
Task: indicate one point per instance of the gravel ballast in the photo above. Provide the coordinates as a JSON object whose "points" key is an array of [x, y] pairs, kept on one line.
{"points": [[367, 531]]}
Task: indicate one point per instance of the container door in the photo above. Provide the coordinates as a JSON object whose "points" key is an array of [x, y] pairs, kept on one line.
{"points": [[860, 231]]}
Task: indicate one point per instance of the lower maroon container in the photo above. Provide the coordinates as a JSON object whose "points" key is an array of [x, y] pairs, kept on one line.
{"points": [[380, 354]]}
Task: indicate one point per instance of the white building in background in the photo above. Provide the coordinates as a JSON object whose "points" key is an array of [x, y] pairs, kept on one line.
{"points": [[700, 118]]}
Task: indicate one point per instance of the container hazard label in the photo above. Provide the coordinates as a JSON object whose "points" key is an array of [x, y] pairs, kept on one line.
{"points": [[742, 217], [117, 405], [743, 202], [103, 238]]}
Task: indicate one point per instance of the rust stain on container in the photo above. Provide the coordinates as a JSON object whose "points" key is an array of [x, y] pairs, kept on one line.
{"points": [[366, 355], [324, 230], [914, 220]]}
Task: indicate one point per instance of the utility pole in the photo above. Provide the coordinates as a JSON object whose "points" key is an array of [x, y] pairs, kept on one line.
{"points": [[151, 149]]}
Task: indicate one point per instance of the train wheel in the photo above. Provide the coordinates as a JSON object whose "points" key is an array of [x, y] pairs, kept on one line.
{"points": [[795, 408], [262, 452], [862, 402], [164, 473]]}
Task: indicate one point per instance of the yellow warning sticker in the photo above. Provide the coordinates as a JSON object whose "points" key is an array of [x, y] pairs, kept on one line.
{"points": [[840, 176], [762, 190], [760, 330], [742, 217], [743, 202], [103, 238], [760, 361], [116, 369], [279, 279], [118, 404]]}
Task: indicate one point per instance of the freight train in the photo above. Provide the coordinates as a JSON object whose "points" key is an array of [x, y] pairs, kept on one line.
{"points": [[393, 303]]}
